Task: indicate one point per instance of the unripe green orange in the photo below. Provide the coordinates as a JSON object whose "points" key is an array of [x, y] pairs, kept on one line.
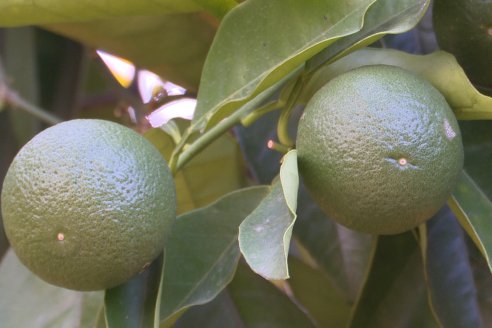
{"points": [[379, 149], [87, 204]]}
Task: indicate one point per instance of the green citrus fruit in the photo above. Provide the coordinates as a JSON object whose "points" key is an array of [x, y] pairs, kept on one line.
{"points": [[464, 28], [87, 204], [379, 149]]}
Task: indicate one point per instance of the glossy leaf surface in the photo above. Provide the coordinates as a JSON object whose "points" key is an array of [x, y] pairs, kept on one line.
{"points": [[384, 17], [248, 56], [264, 236], [202, 251]]}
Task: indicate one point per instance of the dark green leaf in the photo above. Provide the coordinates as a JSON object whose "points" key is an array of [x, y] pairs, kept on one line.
{"points": [[202, 252], [261, 304], [249, 302], [318, 295], [394, 293], [221, 312], [483, 282], [384, 17], [474, 212], [257, 57], [133, 304], [439, 68], [343, 254], [28, 301], [477, 141], [264, 236], [448, 272]]}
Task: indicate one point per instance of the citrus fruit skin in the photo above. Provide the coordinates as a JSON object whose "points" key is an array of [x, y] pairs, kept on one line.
{"points": [[87, 204], [379, 149], [464, 28]]}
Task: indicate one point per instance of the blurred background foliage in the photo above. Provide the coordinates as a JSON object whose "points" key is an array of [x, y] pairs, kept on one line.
{"points": [[56, 68]]}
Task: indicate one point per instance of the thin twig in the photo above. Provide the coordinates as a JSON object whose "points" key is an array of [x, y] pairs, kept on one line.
{"points": [[14, 100]]}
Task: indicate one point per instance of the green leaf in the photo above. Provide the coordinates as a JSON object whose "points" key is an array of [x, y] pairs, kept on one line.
{"points": [[219, 8], [318, 295], [264, 236], [394, 293], [25, 12], [202, 252], [211, 174], [343, 254], [384, 17], [474, 212], [248, 56], [483, 282], [439, 68], [151, 42], [28, 301], [448, 272], [221, 312], [249, 301], [477, 141], [133, 304], [261, 304]]}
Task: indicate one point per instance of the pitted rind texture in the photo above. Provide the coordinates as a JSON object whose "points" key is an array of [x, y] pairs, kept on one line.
{"points": [[379, 149], [105, 188]]}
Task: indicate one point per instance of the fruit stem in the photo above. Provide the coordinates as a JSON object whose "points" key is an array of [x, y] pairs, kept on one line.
{"points": [[283, 121], [179, 159], [263, 110]]}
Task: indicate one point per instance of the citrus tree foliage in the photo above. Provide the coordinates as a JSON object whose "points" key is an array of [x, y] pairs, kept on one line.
{"points": [[249, 247]]}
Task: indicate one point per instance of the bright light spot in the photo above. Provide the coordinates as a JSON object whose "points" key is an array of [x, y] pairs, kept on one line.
{"points": [[122, 69], [450, 133], [174, 89], [60, 236], [184, 108], [149, 83], [132, 113], [402, 161], [270, 144]]}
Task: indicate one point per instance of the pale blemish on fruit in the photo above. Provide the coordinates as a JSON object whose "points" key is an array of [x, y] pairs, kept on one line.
{"points": [[448, 129], [60, 236]]}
